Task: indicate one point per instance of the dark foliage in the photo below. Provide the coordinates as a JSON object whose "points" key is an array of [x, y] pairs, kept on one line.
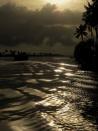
{"points": [[21, 56], [86, 52], [86, 55]]}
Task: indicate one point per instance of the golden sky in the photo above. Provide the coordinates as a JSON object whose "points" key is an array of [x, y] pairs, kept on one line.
{"points": [[61, 4]]}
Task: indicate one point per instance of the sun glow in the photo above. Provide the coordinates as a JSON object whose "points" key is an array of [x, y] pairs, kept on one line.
{"points": [[57, 2], [67, 4], [61, 4]]}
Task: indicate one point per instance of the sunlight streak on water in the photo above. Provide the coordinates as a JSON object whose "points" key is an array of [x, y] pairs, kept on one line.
{"points": [[69, 74], [62, 97], [61, 68], [64, 109], [46, 80], [54, 101], [15, 128], [34, 81], [39, 74], [62, 87], [70, 65], [54, 89], [58, 71], [65, 69], [26, 74], [84, 85], [88, 81], [56, 75], [51, 121], [66, 81]]}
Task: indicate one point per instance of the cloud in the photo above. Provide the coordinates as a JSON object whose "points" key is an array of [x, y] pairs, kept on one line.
{"points": [[47, 25], [37, 4]]}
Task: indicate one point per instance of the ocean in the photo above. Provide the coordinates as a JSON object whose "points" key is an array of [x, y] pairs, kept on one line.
{"points": [[47, 94]]}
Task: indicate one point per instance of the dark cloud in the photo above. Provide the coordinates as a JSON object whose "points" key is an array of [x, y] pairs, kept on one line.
{"points": [[47, 25]]}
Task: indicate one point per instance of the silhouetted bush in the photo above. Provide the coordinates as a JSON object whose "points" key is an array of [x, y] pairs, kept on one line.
{"points": [[86, 54], [20, 56]]}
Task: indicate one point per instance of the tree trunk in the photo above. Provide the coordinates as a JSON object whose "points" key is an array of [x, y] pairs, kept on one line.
{"points": [[92, 35], [82, 38], [95, 46], [96, 32]]}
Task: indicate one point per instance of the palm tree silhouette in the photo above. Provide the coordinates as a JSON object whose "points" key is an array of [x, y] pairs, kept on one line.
{"points": [[90, 16], [91, 19], [81, 32], [90, 46]]}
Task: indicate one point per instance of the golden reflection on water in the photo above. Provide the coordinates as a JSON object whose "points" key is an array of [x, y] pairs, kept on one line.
{"points": [[64, 81], [69, 74], [60, 106], [46, 80], [62, 69], [62, 64], [34, 81], [67, 65], [58, 70], [53, 89], [52, 101], [56, 75], [39, 73]]}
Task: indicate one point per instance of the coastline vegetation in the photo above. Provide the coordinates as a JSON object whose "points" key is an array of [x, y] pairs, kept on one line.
{"points": [[21, 55], [86, 52]]}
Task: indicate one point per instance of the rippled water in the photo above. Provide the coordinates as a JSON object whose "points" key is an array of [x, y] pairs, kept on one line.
{"points": [[48, 95]]}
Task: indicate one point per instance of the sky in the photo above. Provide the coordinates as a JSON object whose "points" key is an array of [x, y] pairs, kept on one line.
{"points": [[40, 27], [36, 4]]}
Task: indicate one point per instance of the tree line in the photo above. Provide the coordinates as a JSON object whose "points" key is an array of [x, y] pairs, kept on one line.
{"points": [[22, 55]]}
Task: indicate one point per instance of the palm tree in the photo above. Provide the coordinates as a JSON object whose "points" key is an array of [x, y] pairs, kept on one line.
{"points": [[91, 19], [87, 18], [90, 16], [81, 32]]}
